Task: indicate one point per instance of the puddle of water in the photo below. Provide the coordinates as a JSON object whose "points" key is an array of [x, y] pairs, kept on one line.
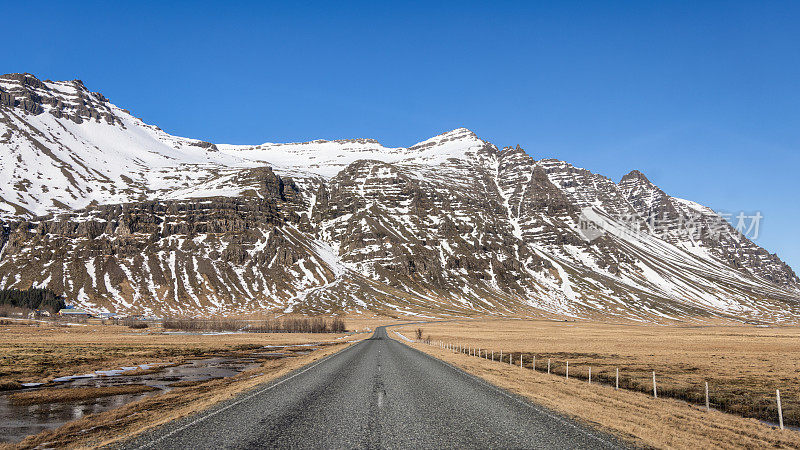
{"points": [[17, 422]]}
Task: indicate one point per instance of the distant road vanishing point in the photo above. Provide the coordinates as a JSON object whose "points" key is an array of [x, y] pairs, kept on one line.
{"points": [[378, 393]]}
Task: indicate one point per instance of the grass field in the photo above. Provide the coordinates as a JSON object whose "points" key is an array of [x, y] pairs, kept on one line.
{"points": [[111, 426], [38, 352], [742, 364]]}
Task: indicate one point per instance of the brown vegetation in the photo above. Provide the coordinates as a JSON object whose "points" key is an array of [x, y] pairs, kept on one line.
{"points": [[9, 385], [38, 352], [632, 416], [104, 428], [284, 325], [742, 364]]}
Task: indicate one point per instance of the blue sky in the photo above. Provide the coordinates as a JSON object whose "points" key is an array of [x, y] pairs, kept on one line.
{"points": [[703, 97]]}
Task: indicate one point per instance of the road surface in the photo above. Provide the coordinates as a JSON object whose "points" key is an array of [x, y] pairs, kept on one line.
{"points": [[378, 393]]}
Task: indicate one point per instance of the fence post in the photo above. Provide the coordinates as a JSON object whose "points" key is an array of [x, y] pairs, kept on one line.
{"points": [[548, 366], [590, 375], [492, 355], [501, 356], [707, 403], [655, 391], [780, 410], [568, 370], [520, 360], [616, 384], [534, 363], [510, 359]]}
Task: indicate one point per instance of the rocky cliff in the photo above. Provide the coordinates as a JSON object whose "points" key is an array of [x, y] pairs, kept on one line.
{"points": [[120, 215]]}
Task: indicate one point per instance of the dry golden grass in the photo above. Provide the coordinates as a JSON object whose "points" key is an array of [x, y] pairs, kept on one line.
{"points": [[632, 416], [9, 385], [743, 364], [74, 394], [35, 352], [117, 424]]}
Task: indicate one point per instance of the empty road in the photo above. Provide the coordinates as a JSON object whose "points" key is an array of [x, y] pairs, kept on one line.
{"points": [[378, 393]]}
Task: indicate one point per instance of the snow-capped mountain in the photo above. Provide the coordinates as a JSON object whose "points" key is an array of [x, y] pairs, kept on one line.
{"points": [[120, 215]]}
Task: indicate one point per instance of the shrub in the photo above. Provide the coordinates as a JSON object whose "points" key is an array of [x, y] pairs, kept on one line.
{"points": [[286, 325]]}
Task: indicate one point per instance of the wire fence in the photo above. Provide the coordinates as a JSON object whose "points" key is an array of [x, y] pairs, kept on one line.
{"points": [[762, 409]]}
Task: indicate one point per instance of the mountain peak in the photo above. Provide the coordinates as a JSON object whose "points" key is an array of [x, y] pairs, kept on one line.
{"points": [[461, 131], [634, 175], [456, 135], [69, 99]]}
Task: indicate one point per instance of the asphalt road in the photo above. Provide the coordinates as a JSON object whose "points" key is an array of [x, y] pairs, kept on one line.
{"points": [[378, 393]]}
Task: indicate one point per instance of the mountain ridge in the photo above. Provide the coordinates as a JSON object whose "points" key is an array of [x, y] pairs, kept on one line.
{"points": [[120, 215]]}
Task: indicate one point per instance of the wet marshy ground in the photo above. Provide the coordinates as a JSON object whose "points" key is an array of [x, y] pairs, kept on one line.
{"points": [[18, 421]]}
